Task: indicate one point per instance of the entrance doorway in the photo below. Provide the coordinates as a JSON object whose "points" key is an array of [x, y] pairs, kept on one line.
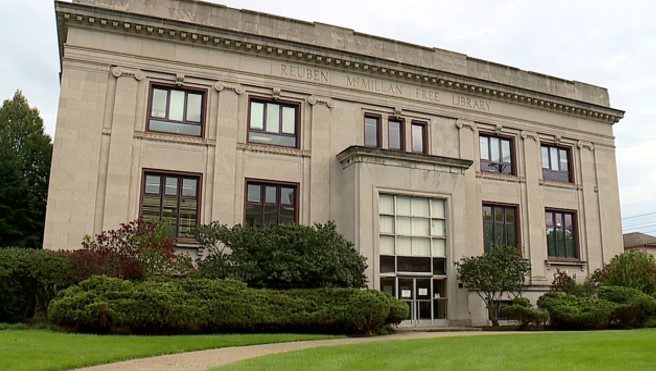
{"points": [[425, 297]]}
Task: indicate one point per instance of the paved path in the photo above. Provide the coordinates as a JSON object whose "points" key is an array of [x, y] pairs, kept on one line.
{"points": [[204, 359]]}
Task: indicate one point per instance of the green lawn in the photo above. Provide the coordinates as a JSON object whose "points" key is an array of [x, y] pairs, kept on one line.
{"points": [[47, 350], [540, 351]]}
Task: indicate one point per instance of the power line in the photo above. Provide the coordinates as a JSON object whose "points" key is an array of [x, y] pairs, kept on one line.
{"points": [[639, 227], [638, 216], [645, 223]]}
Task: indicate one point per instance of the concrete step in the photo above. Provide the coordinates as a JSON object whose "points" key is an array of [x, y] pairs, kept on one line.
{"points": [[436, 329]]}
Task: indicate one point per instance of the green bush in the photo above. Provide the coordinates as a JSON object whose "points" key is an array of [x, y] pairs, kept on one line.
{"points": [[29, 279], [569, 312], [283, 257], [634, 269], [109, 305], [522, 311], [399, 310], [633, 308]]}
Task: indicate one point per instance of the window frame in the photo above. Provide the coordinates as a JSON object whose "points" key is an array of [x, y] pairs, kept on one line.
{"points": [[575, 224], [379, 130], [424, 136], [187, 89], [402, 133], [278, 184], [513, 156], [178, 174], [282, 103], [518, 234], [570, 162]]}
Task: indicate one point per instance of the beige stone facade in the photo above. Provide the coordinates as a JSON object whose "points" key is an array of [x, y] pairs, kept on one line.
{"points": [[113, 52]]}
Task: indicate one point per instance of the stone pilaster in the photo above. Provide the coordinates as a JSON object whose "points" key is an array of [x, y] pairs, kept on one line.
{"points": [[320, 159], [120, 162], [224, 204]]}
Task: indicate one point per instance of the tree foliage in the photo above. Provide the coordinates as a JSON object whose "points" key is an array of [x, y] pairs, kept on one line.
{"points": [[284, 256], [25, 152], [634, 269], [498, 273]]}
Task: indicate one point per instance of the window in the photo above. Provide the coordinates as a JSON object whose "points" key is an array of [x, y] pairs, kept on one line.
{"points": [[273, 123], [413, 230], [496, 154], [561, 234], [372, 131], [270, 204], [556, 163], [172, 198], [419, 137], [499, 226], [176, 111], [396, 134]]}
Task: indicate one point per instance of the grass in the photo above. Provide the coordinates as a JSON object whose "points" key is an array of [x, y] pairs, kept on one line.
{"points": [[48, 350], [604, 350]]}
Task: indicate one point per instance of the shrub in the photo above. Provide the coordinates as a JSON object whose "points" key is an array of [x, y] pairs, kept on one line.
{"points": [[109, 305], [500, 272], [634, 269], [564, 283], [135, 250], [633, 308], [284, 256], [29, 279], [522, 311], [569, 312], [399, 310]]}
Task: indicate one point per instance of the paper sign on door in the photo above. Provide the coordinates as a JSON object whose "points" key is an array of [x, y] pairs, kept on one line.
{"points": [[406, 293], [423, 292]]}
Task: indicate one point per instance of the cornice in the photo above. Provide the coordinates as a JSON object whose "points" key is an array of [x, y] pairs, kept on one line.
{"points": [[274, 150], [501, 177], [356, 153], [122, 22], [172, 138], [562, 185]]}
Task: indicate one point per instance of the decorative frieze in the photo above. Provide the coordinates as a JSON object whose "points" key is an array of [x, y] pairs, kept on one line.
{"points": [[236, 87], [121, 71], [376, 67], [317, 99]]}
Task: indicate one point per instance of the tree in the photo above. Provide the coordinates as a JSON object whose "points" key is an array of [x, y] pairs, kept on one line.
{"points": [[499, 272], [634, 269], [25, 151]]}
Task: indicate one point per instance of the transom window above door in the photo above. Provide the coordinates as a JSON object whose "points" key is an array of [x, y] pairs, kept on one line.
{"points": [[176, 111], [497, 154], [273, 123], [556, 163]]}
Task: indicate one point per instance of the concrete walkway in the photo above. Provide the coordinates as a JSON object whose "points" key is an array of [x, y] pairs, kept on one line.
{"points": [[204, 359]]}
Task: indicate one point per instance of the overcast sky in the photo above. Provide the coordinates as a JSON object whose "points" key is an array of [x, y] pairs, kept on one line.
{"points": [[607, 43]]}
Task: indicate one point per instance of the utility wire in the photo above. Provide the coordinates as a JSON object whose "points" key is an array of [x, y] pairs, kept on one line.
{"points": [[638, 216]]}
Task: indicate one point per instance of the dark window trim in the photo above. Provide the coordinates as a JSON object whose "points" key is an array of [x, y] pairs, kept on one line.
{"points": [[513, 157], [282, 103], [518, 234], [199, 190], [402, 134], [424, 136], [379, 132], [575, 223], [166, 86], [570, 161], [278, 183]]}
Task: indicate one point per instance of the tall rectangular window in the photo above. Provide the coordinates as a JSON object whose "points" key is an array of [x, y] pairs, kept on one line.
{"points": [[396, 134], [497, 154], [561, 234], [269, 204], [372, 131], [556, 163], [177, 111], [419, 137], [172, 198], [412, 229], [499, 226], [273, 123]]}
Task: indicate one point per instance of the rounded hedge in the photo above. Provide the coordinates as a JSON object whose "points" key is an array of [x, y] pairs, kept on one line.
{"points": [[108, 305]]}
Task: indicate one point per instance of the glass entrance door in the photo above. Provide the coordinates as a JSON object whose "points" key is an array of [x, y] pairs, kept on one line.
{"points": [[418, 294]]}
